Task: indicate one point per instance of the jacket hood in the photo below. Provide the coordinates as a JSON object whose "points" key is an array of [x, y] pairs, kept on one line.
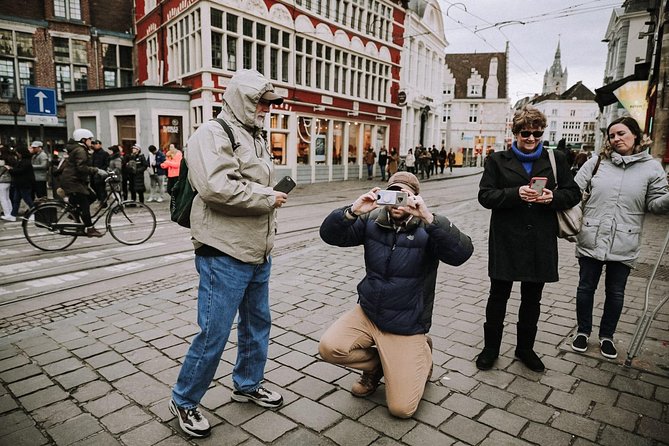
{"points": [[243, 94], [619, 159]]}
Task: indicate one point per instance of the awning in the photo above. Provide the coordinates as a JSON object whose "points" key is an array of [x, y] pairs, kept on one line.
{"points": [[604, 95]]}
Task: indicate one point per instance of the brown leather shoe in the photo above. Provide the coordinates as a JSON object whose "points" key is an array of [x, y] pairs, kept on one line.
{"points": [[367, 383], [92, 232]]}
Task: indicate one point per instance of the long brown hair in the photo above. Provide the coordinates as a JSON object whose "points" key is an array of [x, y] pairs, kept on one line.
{"points": [[633, 127]]}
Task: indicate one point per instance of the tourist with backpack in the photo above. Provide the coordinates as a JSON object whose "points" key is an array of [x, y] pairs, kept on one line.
{"points": [[232, 224]]}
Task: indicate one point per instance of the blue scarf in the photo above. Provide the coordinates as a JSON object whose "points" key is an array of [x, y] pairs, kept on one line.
{"points": [[527, 159]]}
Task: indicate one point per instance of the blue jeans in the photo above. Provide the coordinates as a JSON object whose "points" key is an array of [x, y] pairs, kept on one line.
{"points": [[615, 281], [227, 286]]}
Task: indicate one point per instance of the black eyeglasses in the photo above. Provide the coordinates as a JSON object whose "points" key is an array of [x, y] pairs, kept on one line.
{"points": [[527, 133]]}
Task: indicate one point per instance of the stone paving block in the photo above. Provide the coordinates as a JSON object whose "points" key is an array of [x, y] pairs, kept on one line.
{"points": [[173, 441], [146, 435], [185, 331], [311, 414], [177, 351], [8, 351], [76, 378], [325, 371], [650, 427], [29, 436], [168, 376], [639, 405], [296, 360], [529, 389], [283, 376], [497, 438], [268, 426], [129, 345], [46, 345], [312, 388], [104, 359], [13, 362], [301, 436], [20, 373], [142, 388], [464, 405], [30, 385], [117, 371], [633, 386], [597, 393], [593, 375], [558, 380], [100, 439], [568, 401], [381, 420], [614, 416], [79, 342], [115, 338], [576, 425], [422, 435], [495, 378], [56, 413], [106, 405], [141, 355], [463, 351], [457, 381], [662, 394], [237, 414], [92, 326], [216, 397], [492, 395], [13, 422], [558, 364], [7, 403], [108, 330], [531, 410], [288, 338], [91, 350], [74, 429], [157, 364], [350, 433], [431, 414], [52, 356], [152, 334], [503, 420], [343, 402], [545, 435], [232, 435], [124, 419], [469, 431], [91, 391], [64, 366], [43, 398], [166, 342], [464, 366], [613, 436]]}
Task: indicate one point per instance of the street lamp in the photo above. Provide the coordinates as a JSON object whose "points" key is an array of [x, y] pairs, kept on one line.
{"points": [[15, 106]]}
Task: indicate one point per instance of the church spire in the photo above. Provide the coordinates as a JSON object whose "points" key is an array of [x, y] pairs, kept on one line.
{"points": [[555, 78]]}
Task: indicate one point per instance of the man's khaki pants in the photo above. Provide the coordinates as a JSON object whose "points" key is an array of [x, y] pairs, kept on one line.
{"points": [[406, 360]]}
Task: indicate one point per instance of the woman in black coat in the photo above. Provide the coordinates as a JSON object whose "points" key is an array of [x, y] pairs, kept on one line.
{"points": [[23, 180], [136, 165], [522, 244]]}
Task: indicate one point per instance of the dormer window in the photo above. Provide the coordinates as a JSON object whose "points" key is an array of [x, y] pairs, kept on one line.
{"points": [[475, 85]]}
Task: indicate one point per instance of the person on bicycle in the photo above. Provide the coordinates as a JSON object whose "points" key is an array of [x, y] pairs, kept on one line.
{"points": [[75, 176]]}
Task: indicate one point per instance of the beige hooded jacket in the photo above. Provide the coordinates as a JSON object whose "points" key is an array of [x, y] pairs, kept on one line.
{"points": [[234, 209]]}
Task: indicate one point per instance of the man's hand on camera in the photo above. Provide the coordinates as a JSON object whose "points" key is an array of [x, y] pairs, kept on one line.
{"points": [[417, 207], [279, 198], [103, 173], [365, 202]]}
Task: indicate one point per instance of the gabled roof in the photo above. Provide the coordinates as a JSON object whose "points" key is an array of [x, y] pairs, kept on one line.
{"points": [[461, 64], [578, 91]]}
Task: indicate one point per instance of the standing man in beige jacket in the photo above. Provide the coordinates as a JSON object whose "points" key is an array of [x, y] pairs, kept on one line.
{"points": [[232, 224]]}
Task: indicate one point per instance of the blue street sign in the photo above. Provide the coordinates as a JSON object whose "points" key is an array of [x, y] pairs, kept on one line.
{"points": [[40, 101]]}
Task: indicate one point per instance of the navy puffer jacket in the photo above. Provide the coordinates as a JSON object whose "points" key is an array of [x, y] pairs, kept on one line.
{"points": [[397, 292]]}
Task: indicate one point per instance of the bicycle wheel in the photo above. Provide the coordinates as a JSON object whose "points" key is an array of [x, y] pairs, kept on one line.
{"points": [[41, 226], [131, 223]]}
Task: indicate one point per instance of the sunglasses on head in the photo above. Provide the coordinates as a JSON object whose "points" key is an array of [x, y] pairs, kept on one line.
{"points": [[527, 133]]}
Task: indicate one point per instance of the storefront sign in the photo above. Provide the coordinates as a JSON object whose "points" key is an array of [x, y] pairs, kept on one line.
{"points": [[633, 97], [401, 98]]}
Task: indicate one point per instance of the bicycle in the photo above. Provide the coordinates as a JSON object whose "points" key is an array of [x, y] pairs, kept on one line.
{"points": [[54, 224]]}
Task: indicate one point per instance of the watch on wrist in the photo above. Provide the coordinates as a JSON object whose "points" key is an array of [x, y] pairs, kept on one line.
{"points": [[348, 212]]}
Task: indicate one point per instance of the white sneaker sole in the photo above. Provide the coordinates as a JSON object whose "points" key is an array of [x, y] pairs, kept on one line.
{"points": [[245, 399]]}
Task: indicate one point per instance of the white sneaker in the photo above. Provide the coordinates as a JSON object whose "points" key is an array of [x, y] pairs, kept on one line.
{"points": [[191, 421], [32, 217], [160, 200], [8, 218], [149, 200]]}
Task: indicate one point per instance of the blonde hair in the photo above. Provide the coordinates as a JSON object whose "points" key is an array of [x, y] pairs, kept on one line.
{"points": [[528, 117]]}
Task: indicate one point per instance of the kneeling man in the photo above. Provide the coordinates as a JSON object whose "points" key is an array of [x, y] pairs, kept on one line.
{"points": [[386, 333]]}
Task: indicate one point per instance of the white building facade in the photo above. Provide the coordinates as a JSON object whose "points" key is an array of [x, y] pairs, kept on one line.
{"points": [[476, 105], [625, 51], [421, 75], [571, 118]]}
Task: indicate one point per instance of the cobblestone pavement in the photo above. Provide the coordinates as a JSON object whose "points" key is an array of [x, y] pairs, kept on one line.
{"points": [[102, 375]]}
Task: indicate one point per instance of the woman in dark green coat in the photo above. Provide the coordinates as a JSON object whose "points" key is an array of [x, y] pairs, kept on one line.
{"points": [[522, 244]]}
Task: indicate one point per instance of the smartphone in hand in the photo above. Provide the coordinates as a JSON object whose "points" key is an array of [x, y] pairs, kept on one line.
{"points": [[538, 184], [285, 185]]}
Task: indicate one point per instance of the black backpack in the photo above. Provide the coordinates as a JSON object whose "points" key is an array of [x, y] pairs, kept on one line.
{"points": [[183, 193]]}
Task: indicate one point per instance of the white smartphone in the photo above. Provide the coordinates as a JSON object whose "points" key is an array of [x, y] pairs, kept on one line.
{"points": [[538, 184]]}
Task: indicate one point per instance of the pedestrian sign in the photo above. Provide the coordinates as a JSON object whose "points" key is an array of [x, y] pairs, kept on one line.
{"points": [[41, 105]]}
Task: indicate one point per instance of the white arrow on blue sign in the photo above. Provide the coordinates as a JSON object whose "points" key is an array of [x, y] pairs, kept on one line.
{"points": [[40, 101]]}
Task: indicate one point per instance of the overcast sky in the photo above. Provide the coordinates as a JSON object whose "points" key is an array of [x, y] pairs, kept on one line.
{"points": [[578, 25]]}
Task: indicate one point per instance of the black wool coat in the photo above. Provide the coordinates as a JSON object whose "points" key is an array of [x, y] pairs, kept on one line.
{"points": [[522, 243]]}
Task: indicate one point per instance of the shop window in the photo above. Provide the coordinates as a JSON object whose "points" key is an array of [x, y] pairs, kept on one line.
{"points": [[126, 130], [170, 131]]}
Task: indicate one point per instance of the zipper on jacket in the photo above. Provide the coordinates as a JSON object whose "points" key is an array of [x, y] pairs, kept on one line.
{"points": [[395, 232]]}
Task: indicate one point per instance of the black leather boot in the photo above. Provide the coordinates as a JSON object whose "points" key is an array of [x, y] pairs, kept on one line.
{"points": [[524, 348], [492, 334]]}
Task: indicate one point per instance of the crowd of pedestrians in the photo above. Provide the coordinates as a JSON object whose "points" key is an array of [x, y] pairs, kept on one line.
{"points": [[27, 172]]}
